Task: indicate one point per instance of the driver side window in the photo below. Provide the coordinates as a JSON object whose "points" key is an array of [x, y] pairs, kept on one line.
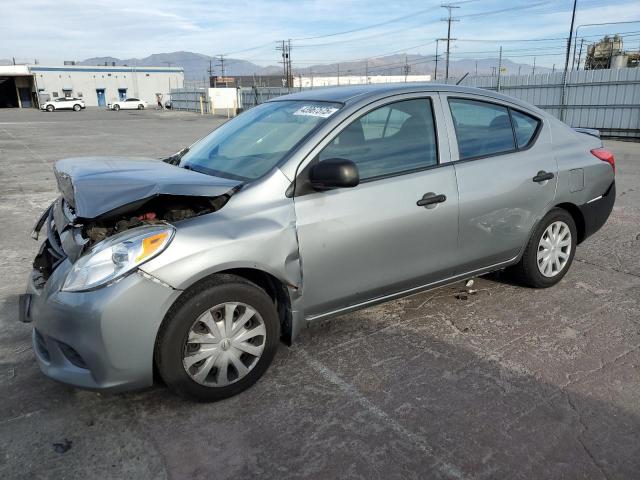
{"points": [[392, 139]]}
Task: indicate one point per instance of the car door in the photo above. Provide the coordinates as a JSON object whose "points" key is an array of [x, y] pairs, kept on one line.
{"points": [[380, 238], [506, 173]]}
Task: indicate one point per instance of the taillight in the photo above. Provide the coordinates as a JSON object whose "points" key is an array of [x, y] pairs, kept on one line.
{"points": [[606, 156]]}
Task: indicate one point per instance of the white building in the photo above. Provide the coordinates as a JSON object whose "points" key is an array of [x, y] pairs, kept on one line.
{"points": [[319, 81], [24, 85]]}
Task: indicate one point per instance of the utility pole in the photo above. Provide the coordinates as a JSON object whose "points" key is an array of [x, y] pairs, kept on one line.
{"points": [[450, 19], [290, 78], [435, 72], [566, 62], [476, 68], [533, 72], [499, 67], [211, 74], [580, 55], [285, 47], [406, 69], [221, 65]]}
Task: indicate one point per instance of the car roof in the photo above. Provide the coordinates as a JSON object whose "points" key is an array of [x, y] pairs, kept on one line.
{"points": [[352, 93]]}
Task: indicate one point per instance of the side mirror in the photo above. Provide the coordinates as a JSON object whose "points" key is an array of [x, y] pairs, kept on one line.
{"points": [[334, 173]]}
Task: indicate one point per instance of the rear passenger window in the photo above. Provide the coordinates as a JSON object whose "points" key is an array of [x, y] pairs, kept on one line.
{"points": [[482, 128], [525, 127], [396, 138]]}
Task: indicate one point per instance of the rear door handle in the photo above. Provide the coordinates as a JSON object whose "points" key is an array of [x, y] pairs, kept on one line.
{"points": [[543, 176], [431, 199]]}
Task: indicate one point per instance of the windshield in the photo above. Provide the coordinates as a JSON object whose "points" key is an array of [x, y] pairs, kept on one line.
{"points": [[251, 144]]}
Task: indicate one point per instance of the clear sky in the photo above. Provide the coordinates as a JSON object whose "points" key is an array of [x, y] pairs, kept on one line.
{"points": [[57, 30]]}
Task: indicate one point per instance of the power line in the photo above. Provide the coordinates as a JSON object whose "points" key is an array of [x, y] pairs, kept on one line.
{"points": [[507, 9], [368, 27]]}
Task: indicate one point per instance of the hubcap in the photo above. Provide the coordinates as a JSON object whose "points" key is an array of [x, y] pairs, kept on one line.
{"points": [[224, 344], [554, 249]]}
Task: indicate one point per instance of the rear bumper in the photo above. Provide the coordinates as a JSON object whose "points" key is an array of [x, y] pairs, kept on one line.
{"points": [[102, 339], [596, 211]]}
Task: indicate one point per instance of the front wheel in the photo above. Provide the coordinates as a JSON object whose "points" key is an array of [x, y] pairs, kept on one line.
{"points": [[140, 107], [76, 108], [550, 251], [116, 107], [50, 108], [219, 341]]}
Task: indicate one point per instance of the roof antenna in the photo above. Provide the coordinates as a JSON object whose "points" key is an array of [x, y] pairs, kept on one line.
{"points": [[463, 77]]}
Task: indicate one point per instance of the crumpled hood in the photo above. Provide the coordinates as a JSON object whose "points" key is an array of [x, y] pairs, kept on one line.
{"points": [[94, 186]]}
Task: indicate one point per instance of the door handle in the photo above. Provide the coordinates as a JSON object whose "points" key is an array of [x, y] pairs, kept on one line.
{"points": [[431, 199], [543, 176]]}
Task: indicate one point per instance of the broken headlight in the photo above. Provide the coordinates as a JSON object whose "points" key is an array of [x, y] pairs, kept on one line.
{"points": [[116, 256]]}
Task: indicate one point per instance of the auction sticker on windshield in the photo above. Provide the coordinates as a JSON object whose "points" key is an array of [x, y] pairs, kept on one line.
{"points": [[316, 111]]}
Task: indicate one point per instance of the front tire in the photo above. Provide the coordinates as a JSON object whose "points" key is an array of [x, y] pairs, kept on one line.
{"points": [[76, 108], [50, 108], [116, 107], [219, 340], [550, 251], [140, 107]]}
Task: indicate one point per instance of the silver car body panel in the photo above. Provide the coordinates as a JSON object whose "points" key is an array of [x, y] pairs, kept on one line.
{"points": [[97, 185], [93, 324], [338, 250]]}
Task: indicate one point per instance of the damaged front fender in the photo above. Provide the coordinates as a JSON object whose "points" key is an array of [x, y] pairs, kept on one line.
{"points": [[255, 230]]}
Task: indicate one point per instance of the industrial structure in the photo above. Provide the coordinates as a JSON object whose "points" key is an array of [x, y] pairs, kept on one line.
{"points": [[25, 86], [609, 53]]}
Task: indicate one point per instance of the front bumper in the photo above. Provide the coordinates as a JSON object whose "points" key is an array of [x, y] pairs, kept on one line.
{"points": [[101, 339]]}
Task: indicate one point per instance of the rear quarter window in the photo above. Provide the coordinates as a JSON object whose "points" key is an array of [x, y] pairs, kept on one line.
{"points": [[525, 127]]}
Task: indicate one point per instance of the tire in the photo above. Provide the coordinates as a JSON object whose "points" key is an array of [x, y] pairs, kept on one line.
{"points": [[534, 271], [141, 107], [116, 107], [188, 369], [76, 108], [50, 108]]}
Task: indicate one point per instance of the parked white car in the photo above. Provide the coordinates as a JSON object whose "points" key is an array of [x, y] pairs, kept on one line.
{"points": [[128, 104], [63, 103]]}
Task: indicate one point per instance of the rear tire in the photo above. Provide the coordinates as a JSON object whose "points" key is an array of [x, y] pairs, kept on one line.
{"points": [[201, 356], [50, 108], [550, 251]]}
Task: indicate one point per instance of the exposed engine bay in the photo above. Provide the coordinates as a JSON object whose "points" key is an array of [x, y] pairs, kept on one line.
{"points": [[69, 236], [161, 209]]}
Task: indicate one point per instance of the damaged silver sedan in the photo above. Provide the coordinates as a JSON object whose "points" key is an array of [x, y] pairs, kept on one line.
{"points": [[305, 207]]}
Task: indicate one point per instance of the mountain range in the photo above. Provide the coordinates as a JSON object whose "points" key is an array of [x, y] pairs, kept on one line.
{"points": [[197, 65]]}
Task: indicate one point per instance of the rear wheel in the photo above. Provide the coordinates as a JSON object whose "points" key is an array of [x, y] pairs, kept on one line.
{"points": [[76, 108], [550, 251], [219, 341], [50, 108]]}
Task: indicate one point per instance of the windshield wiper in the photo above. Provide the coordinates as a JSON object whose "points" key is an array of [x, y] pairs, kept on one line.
{"points": [[176, 157]]}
